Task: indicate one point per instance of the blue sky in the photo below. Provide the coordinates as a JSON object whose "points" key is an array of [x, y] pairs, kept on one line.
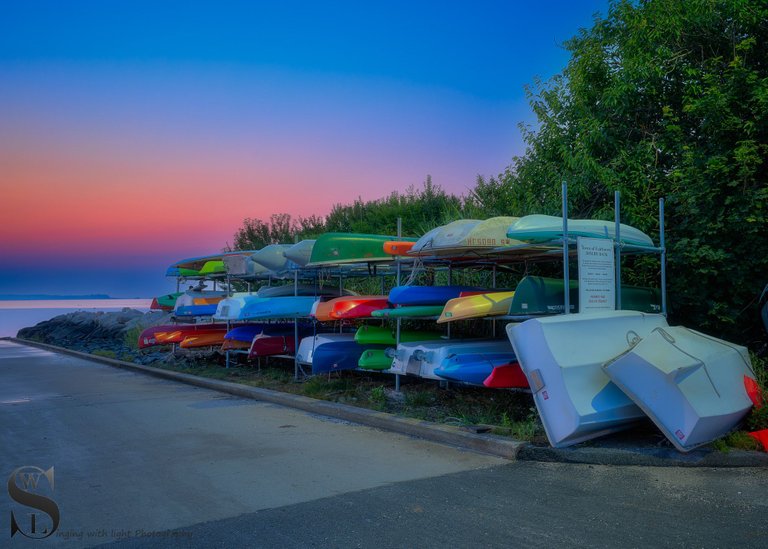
{"points": [[138, 133]]}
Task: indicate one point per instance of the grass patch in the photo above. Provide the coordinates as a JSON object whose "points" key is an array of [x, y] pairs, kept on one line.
{"points": [[106, 353], [738, 440], [131, 338]]}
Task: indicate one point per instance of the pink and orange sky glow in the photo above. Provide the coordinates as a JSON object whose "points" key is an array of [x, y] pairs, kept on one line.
{"points": [[133, 136]]}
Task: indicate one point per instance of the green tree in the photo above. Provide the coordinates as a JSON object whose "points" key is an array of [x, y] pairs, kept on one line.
{"points": [[663, 98]]}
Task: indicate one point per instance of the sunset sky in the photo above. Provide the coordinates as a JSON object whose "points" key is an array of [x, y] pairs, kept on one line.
{"points": [[133, 134]]}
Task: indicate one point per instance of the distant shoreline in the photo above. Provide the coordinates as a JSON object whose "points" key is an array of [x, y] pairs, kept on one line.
{"points": [[49, 297]]}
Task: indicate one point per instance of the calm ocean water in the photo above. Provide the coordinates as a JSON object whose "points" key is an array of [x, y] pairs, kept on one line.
{"points": [[15, 315]]}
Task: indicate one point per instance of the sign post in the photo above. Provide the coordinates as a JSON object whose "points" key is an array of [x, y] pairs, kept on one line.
{"points": [[597, 275]]}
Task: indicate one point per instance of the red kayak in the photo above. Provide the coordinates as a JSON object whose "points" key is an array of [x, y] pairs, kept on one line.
{"points": [[148, 338], [270, 345], [508, 376], [358, 307]]}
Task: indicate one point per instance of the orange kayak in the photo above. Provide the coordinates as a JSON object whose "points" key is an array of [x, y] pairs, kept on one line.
{"points": [[397, 247], [203, 340], [235, 345], [180, 332]]}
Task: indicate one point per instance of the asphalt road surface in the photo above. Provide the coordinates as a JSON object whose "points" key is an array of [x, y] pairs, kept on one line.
{"points": [[144, 462]]}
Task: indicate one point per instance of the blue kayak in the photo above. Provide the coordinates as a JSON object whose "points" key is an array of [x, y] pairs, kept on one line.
{"points": [[279, 307], [247, 332], [426, 295], [339, 355], [472, 368], [195, 310]]}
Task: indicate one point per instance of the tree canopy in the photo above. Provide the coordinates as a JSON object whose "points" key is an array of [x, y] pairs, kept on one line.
{"points": [[664, 98]]}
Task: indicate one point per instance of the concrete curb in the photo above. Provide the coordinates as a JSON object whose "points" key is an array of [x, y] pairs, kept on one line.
{"points": [[445, 434], [647, 457]]}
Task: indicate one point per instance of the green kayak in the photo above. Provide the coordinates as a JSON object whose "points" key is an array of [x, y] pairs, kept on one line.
{"points": [[375, 359], [386, 335], [339, 248], [414, 311], [187, 273], [536, 295], [213, 268]]}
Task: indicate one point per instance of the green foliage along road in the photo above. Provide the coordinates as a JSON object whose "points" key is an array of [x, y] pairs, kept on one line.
{"points": [[661, 98]]}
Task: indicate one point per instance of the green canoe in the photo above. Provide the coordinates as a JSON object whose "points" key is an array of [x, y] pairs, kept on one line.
{"points": [[386, 335], [409, 312], [340, 248], [536, 295]]}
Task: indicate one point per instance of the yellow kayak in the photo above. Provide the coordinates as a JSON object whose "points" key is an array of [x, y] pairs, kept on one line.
{"points": [[476, 306]]}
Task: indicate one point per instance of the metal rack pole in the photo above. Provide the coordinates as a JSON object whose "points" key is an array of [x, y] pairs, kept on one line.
{"points": [[450, 282], [229, 292], [295, 330], [566, 266], [397, 322], [617, 246], [493, 282], [662, 243]]}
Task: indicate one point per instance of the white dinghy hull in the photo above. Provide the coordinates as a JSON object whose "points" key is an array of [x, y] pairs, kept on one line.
{"points": [[562, 357]]}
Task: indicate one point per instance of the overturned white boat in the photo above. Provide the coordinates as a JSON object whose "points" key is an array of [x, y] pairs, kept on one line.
{"points": [[562, 357], [690, 384]]}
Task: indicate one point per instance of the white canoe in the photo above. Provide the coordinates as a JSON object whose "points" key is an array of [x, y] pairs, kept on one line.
{"points": [[421, 358], [300, 253], [542, 228], [562, 357], [307, 346], [691, 385], [243, 266], [273, 257], [466, 237]]}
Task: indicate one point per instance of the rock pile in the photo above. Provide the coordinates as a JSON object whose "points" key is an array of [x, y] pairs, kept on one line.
{"points": [[113, 333]]}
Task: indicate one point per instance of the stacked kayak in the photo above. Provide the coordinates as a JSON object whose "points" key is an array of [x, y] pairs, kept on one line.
{"points": [[300, 253], [413, 311], [339, 355], [466, 238], [348, 307], [346, 248], [545, 228], [198, 303], [164, 302], [474, 368], [408, 296], [278, 307], [420, 301], [476, 306], [381, 358], [241, 337], [423, 358], [177, 333], [307, 346], [536, 295]]}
